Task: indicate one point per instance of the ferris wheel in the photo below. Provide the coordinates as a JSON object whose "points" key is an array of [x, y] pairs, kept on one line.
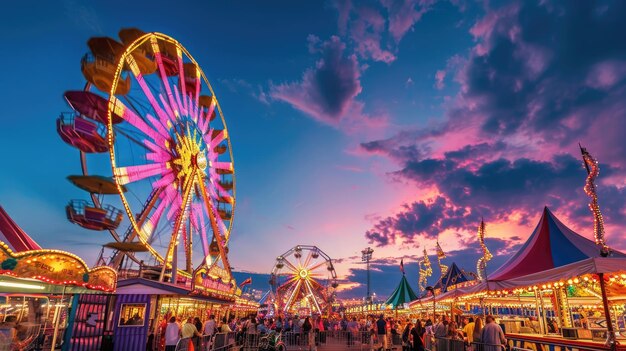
{"points": [[149, 107], [303, 277]]}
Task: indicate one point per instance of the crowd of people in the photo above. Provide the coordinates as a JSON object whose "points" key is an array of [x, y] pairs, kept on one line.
{"points": [[377, 331]]}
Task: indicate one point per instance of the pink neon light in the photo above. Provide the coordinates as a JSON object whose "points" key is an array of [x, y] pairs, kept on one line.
{"points": [[157, 124], [181, 74], [183, 110], [131, 174], [138, 123], [168, 109], [197, 97], [223, 165], [150, 96], [164, 80], [166, 180]]}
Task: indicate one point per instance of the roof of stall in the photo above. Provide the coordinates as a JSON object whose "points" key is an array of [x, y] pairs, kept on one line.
{"points": [[403, 294], [552, 244], [453, 276]]}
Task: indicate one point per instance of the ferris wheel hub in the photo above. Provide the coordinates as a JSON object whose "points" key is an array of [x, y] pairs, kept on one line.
{"points": [[303, 273], [201, 161]]}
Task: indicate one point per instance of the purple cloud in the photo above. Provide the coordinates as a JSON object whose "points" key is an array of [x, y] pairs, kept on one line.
{"points": [[366, 31], [403, 14], [327, 90], [508, 142]]}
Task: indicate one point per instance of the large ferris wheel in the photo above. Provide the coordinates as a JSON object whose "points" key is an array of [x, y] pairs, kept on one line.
{"points": [[303, 277], [149, 112]]}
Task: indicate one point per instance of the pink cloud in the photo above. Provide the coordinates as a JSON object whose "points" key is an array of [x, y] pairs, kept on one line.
{"points": [[606, 74], [440, 77]]}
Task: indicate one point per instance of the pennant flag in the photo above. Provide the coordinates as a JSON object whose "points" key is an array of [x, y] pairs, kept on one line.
{"points": [[246, 282], [402, 266]]}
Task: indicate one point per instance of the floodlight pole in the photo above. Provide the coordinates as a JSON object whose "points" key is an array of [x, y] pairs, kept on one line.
{"points": [[366, 257]]}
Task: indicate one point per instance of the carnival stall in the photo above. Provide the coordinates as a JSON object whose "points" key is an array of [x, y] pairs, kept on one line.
{"points": [[51, 297], [557, 287]]}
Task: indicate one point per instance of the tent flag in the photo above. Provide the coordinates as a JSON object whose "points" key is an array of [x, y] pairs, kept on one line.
{"points": [[402, 265], [403, 294]]}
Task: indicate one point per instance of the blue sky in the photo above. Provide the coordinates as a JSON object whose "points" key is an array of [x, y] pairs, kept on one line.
{"points": [[383, 123]]}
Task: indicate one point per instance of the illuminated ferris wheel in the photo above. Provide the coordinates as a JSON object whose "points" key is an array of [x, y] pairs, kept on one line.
{"points": [[149, 112], [304, 277]]}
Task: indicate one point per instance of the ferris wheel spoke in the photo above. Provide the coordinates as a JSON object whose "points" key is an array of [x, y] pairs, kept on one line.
{"points": [[145, 88], [165, 180], [159, 59], [181, 77], [133, 118], [198, 219], [129, 174], [307, 261], [213, 220], [318, 265], [180, 220], [214, 141], [291, 266], [158, 125], [148, 227], [294, 293], [313, 297]]}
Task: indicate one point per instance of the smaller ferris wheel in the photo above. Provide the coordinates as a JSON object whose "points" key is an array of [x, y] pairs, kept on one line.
{"points": [[303, 278]]}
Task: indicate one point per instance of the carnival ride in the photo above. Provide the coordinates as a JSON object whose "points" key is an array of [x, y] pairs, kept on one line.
{"points": [[148, 104], [303, 279]]}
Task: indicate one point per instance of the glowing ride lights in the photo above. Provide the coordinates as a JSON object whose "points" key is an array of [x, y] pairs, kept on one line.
{"points": [[168, 146], [593, 170], [303, 277], [440, 256], [481, 265], [425, 272]]}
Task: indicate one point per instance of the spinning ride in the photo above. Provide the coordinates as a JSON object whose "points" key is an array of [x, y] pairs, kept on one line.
{"points": [[148, 104], [303, 279]]}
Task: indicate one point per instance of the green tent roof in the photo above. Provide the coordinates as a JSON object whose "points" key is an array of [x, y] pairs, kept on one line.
{"points": [[403, 294]]}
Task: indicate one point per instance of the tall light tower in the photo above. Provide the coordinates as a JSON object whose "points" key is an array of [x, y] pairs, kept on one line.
{"points": [[366, 257]]}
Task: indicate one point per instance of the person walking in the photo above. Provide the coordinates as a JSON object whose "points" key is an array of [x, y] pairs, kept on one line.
{"points": [[492, 335], [172, 334], [417, 334], [381, 332]]}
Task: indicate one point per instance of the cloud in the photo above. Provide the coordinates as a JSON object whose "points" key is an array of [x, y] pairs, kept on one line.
{"points": [[328, 91], [376, 29], [366, 31], [403, 14], [507, 143], [440, 76]]}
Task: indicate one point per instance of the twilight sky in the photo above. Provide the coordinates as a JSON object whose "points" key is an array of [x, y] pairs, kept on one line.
{"points": [[384, 123]]}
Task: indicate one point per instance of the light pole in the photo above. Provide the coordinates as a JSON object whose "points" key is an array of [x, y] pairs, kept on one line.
{"points": [[366, 257]]}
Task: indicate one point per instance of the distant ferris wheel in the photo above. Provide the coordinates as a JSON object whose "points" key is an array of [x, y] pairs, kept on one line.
{"points": [[303, 277]]}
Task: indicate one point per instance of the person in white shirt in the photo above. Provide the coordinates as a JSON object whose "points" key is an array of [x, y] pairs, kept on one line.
{"points": [[209, 326], [172, 335]]}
